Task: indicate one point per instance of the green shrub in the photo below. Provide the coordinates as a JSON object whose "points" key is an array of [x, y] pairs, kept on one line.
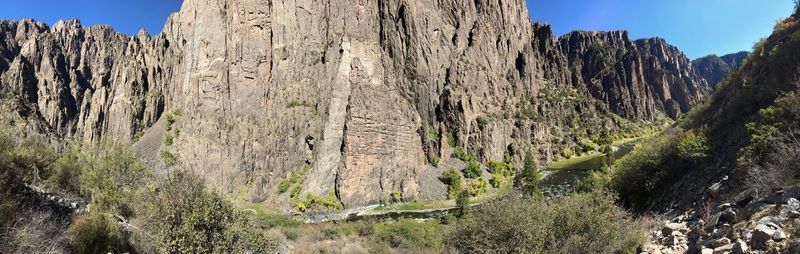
{"points": [[95, 233], [694, 146], [462, 204], [167, 157], [581, 223], [529, 182], [567, 152], [461, 154], [454, 182], [284, 185], [66, 175], [397, 197], [433, 160], [295, 191], [587, 146], [498, 166], [170, 120], [482, 121], [410, 234], [313, 202], [473, 169], [112, 176], [294, 181], [191, 219], [478, 186], [168, 139], [498, 180], [654, 165]]}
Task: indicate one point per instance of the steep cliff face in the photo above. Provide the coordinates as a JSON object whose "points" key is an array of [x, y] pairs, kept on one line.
{"points": [[714, 68], [357, 97], [637, 79]]}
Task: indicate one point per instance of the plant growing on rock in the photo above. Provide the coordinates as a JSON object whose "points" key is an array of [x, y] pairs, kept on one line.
{"points": [[454, 182], [473, 169]]}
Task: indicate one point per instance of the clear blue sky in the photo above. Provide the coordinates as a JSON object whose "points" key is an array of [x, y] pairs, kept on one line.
{"points": [[698, 27], [127, 16]]}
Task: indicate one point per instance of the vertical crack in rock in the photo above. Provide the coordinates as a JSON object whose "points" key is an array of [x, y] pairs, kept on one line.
{"points": [[330, 153]]}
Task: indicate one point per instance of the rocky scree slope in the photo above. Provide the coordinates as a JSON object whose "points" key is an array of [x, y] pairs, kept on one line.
{"points": [[359, 98], [743, 198]]}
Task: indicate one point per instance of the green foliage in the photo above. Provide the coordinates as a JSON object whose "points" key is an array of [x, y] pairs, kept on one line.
{"points": [[586, 146], [191, 219], [167, 157], [330, 202], [498, 180], [529, 182], [295, 104], [501, 171], [462, 204], [580, 223], [397, 197], [95, 233], [482, 121], [284, 185], [23, 156], [170, 120], [478, 186], [461, 154], [409, 234], [454, 182], [168, 139], [473, 169], [294, 181], [112, 176], [66, 175], [433, 131], [271, 219], [597, 180], [656, 164], [295, 191], [694, 146], [433, 160], [781, 117], [567, 152]]}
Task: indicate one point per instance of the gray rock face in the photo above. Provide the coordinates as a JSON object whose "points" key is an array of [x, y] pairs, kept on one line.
{"points": [[637, 79], [363, 92], [714, 68]]}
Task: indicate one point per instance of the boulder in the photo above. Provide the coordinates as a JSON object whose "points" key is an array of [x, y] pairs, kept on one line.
{"points": [[713, 222], [720, 242], [670, 228], [729, 216], [766, 232], [728, 248], [791, 206], [740, 247], [707, 251], [791, 192]]}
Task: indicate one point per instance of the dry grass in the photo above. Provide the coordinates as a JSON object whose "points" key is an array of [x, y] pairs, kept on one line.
{"points": [[779, 167], [34, 231]]}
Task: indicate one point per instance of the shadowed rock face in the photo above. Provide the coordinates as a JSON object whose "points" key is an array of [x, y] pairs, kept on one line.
{"points": [[714, 68], [362, 91], [636, 79]]}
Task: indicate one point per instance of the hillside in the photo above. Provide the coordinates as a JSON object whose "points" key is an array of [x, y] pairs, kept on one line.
{"points": [[372, 99], [714, 68], [726, 175]]}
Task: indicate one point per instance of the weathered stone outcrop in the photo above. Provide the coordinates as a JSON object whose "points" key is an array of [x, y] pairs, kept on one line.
{"points": [[356, 96], [636, 79], [714, 68]]}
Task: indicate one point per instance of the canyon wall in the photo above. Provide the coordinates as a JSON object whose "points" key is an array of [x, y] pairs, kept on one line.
{"points": [[363, 98]]}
